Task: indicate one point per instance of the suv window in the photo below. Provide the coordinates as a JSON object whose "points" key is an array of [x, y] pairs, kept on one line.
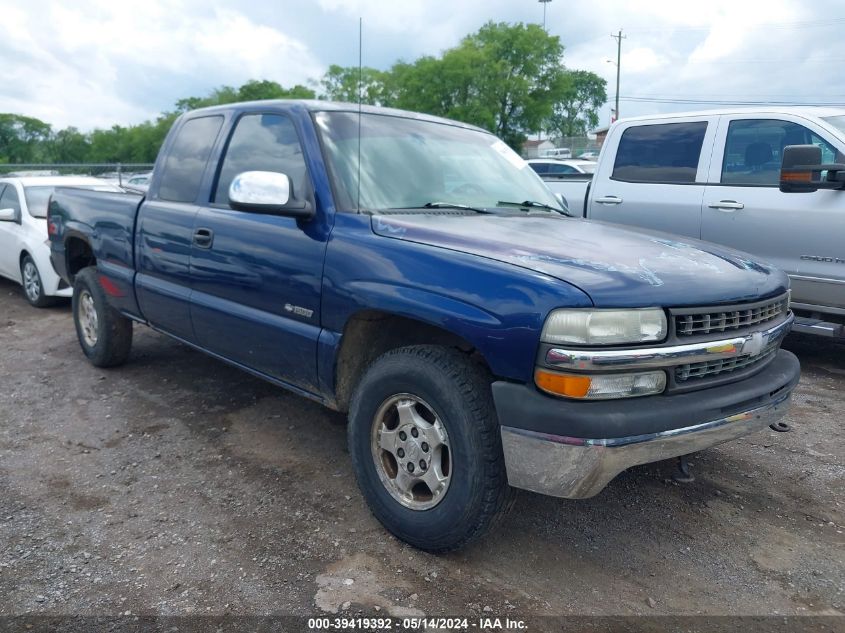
{"points": [[263, 142], [754, 149], [664, 153], [185, 163], [9, 199]]}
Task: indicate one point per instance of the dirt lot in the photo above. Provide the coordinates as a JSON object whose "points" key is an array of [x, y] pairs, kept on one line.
{"points": [[178, 485]]}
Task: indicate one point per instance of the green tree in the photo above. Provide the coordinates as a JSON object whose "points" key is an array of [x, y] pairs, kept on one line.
{"points": [[23, 139], [504, 78], [258, 90], [341, 84], [580, 96], [68, 146]]}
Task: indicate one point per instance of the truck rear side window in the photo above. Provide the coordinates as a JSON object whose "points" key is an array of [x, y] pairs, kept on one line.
{"points": [[185, 163], [262, 142], [663, 153]]}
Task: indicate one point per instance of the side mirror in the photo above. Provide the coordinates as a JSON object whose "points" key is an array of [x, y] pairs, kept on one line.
{"points": [[266, 192], [8, 215], [802, 167]]}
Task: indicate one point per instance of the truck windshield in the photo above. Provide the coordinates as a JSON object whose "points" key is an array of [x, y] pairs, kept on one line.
{"points": [[407, 163], [836, 121]]}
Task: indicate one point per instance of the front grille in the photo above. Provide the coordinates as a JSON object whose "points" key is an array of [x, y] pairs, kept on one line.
{"points": [[703, 321], [706, 369]]}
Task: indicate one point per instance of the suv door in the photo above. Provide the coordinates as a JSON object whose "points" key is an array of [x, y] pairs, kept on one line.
{"points": [[653, 174], [166, 226], [256, 276], [801, 233]]}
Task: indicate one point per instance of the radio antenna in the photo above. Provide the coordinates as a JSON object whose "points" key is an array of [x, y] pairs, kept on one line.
{"points": [[360, 81]]}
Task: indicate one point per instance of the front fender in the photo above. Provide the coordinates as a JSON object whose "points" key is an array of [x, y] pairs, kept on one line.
{"points": [[496, 307]]}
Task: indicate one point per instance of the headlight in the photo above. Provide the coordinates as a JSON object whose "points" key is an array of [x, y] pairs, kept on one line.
{"points": [[600, 386], [605, 327]]}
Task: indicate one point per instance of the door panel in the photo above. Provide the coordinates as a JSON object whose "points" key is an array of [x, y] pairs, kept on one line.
{"points": [[163, 284], [656, 177], [801, 233], [256, 277], [256, 293], [10, 233], [165, 228]]}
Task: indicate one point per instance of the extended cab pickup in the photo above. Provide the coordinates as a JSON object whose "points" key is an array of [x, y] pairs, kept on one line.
{"points": [[715, 176], [415, 273]]}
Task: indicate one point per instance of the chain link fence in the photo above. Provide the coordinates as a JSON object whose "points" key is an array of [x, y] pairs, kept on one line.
{"points": [[576, 145], [113, 172]]}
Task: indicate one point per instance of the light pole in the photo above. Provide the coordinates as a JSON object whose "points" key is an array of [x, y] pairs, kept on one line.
{"points": [[618, 37], [544, 3]]}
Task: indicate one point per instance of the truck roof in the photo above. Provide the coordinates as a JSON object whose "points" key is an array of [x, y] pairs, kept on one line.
{"points": [[316, 105], [805, 111]]}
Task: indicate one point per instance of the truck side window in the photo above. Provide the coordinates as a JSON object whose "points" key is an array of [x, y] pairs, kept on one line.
{"points": [[262, 142], [185, 163], [663, 153], [754, 149]]}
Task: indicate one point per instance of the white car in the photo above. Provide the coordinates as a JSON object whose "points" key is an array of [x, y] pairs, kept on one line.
{"points": [[24, 253], [561, 167], [138, 182]]}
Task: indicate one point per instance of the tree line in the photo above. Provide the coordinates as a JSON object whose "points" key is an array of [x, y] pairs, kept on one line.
{"points": [[506, 78]]}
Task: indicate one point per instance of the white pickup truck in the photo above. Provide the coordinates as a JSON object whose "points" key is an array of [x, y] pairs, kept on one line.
{"points": [[716, 176]]}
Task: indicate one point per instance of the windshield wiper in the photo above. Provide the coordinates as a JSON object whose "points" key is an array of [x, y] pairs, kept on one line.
{"points": [[455, 205], [531, 204]]}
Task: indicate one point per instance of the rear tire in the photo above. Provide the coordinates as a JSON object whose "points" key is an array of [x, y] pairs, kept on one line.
{"points": [[104, 334], [33, 288], [441, 401]]}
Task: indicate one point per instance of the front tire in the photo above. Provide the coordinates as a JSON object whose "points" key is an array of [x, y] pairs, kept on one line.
{"points": [[33, 288], [104, 334], [426, 447]]}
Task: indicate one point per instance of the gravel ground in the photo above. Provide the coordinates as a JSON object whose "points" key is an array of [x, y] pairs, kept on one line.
{"points": [[177, 485]]}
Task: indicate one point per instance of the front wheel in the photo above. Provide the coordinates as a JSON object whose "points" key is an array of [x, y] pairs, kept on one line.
{"points": [[426, 448], [104, 334], [33, 288]]}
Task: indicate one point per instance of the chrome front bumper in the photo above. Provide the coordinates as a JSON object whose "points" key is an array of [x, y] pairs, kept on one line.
{"points": [[577, 468]]}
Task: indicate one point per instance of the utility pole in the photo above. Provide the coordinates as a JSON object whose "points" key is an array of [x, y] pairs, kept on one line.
{"points": [[544, 3], [618, 37]]}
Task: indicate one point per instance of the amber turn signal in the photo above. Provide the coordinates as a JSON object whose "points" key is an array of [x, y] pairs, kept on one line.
{"points": [[571, 386]]}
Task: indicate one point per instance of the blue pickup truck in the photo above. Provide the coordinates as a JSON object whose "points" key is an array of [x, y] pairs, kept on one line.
{"points": [[415, 273]]}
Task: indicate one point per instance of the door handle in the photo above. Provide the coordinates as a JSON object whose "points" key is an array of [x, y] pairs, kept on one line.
{"points": [[203, 238], [609, 200], [726, 205]]}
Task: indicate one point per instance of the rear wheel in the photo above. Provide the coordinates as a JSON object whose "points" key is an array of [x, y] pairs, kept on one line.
{"points": [[104, 334], [426, 448], [33, 288]]}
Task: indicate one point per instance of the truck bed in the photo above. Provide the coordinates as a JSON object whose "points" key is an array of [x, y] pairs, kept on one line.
{"points": [[106, 221]]}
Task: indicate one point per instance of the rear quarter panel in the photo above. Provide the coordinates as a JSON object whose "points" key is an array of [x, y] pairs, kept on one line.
{"points": [[106, 221]]}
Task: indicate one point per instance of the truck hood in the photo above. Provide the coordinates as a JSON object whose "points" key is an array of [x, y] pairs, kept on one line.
{"points": [[615, 266]]}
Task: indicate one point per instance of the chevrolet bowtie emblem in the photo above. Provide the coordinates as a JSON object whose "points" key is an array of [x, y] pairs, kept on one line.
{"points": [[754, 345]]}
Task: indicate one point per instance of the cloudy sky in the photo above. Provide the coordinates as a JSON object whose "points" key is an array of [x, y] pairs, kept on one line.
{"points": [[95, 63]]}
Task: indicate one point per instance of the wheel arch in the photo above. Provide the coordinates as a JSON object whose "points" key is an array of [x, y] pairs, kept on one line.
{"points": [[78, 254], [370, 333]]}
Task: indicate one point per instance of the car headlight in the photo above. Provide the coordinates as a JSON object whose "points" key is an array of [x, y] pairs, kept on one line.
{"points": [[605, 327]]}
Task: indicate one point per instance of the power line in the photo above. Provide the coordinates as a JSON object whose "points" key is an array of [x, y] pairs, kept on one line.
{"points": [[766, 25]]}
